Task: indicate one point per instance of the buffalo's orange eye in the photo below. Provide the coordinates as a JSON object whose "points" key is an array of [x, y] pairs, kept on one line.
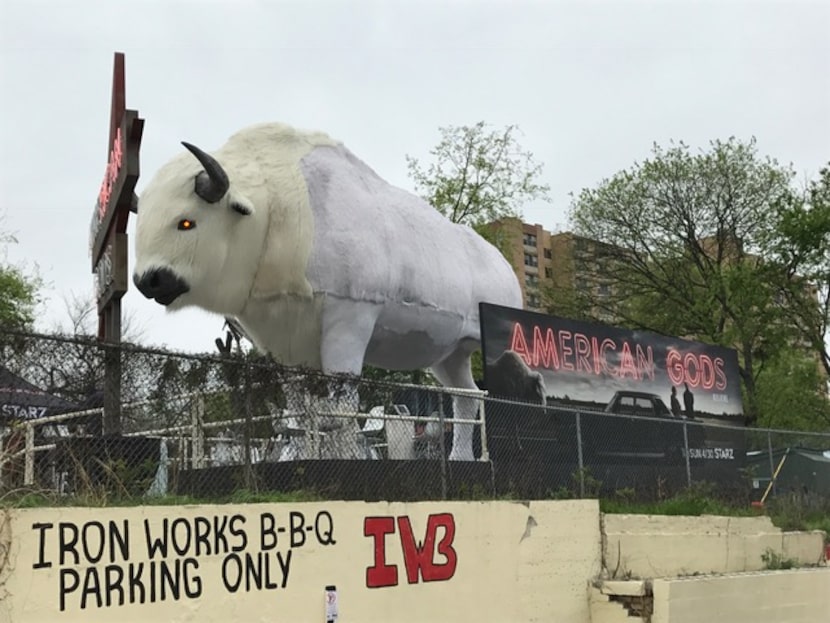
{"points": [[186, 224]]}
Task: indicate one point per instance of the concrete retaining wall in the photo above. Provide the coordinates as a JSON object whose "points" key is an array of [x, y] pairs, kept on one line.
{"points": [[272, 562], [792, 596], [651, 546], [437, 561], [796, 596]]}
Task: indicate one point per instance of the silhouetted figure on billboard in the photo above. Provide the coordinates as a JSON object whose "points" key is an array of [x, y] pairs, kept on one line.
{"points": [[675, 403], [689, 401]]}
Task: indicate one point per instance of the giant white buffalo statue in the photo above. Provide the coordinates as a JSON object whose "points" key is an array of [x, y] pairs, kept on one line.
{"points": [[321, 262]]}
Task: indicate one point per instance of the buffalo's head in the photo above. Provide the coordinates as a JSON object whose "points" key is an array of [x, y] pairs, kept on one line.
{"points": [[197, 237]]}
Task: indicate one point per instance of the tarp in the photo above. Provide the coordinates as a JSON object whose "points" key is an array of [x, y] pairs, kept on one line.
{"points": [[804, 471], [21, 400]]}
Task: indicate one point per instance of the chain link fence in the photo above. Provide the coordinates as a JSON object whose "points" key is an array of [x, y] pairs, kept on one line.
{"points": [[210, 426]]}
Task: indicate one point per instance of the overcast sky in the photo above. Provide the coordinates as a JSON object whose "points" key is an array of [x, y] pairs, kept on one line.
{"points": [[591, 85]]}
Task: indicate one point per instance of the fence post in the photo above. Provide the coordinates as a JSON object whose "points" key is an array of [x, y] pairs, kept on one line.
{"points": [[29, 471], [579, 454], [485, 451], [112, 369], [686, 453], [246, 431], [2, 458], [311, 407], [197, 438], [443, 445], [771, 461]]}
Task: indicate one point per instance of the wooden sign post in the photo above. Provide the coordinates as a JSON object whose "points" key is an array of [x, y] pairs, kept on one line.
{"points": [[108, 237]]}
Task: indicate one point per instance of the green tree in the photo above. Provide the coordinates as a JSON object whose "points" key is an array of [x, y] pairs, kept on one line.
{"points": [[790, 393], [478, 175], [685, 244], [801, 247], [18, 291]]}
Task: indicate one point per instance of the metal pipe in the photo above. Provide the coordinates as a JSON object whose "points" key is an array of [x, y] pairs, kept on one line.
{"points": [[442, 445], [688, 464], [485, 451], [579, 455]]}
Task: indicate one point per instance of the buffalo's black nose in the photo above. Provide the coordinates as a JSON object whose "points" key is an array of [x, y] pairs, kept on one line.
{"points": [[161, 284]]}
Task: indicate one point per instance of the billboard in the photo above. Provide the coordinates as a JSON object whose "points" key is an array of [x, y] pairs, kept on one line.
{"points": [[528, 355]]}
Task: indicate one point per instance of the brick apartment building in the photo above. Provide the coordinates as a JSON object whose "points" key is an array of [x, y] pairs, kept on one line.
{"points": [[541, 258]]}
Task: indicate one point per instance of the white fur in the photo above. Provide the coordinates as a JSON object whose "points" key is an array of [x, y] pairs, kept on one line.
{"points": [[334, 268]]}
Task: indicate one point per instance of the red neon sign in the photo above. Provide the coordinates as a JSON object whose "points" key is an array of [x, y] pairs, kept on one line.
{"points": [[111, 174], [577, 352], [696, 370]]}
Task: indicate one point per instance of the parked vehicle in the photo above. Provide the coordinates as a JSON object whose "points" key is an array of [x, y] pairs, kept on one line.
{"points": [[637, 425], [638, 403]]}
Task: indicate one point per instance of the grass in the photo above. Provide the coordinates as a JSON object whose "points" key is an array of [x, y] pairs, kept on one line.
{"points": [[685, 503], [794, 512], [789, 513], [37, 499], [788, 517]]}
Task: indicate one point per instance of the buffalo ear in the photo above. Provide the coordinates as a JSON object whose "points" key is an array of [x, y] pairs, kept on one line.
{"points": [[241, 204], [242, 208]]}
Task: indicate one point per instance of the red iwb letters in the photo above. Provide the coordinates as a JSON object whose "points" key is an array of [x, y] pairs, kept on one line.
{"points": [[419, 560]]}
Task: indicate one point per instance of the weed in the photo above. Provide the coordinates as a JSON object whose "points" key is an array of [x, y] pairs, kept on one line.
{"points": [[774, 561], [794, 511]]}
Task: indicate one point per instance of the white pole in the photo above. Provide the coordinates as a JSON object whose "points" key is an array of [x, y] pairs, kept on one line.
{"points": [[29, 474]]}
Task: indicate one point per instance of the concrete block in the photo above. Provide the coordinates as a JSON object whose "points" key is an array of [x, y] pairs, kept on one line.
{"points": [[634, 588]]}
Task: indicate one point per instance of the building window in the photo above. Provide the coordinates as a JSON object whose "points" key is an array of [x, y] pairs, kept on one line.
{"points": [[548, 273], [529, 240], [531, 260], [533, 301], [531, 280], [547, 254], [604, 289]]}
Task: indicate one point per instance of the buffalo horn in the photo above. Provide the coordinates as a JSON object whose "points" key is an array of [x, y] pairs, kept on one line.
{"points": [[212, 183]]}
